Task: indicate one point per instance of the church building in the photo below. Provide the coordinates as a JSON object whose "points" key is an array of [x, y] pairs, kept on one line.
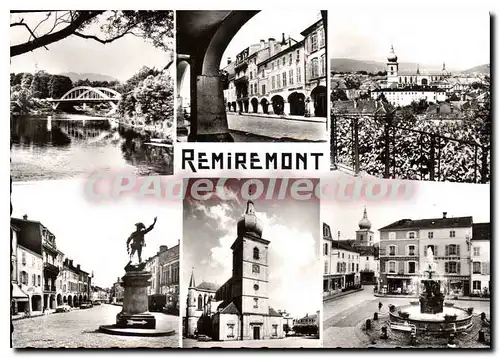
{"points": [[239, 309]]}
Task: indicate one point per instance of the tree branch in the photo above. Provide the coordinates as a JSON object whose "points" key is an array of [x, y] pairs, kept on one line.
{"points": [[47, 39], [23, 24], [105, 41]]}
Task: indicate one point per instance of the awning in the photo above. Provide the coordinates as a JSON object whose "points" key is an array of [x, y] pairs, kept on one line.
{"points": [[18, 294]]}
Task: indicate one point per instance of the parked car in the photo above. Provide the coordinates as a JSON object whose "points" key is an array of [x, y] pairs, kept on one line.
{"points": [[203, 338], [96, 303], [63, 308], [85, 305]]}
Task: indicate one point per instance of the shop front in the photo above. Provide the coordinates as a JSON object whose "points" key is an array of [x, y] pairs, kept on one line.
{"points": [[401, 285], [332, 284], [456, 286]]}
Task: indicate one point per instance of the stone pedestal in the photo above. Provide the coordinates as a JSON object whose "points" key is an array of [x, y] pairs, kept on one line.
{"points": [[135, 312]]}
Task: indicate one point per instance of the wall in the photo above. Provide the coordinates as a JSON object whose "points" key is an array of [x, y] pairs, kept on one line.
{"points": [[484, 259]]}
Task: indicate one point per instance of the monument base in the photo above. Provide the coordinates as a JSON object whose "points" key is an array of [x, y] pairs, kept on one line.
{"points": [[141, 320]]}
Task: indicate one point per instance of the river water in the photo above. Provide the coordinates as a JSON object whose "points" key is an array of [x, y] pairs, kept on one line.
{"points": [[71, 146]]}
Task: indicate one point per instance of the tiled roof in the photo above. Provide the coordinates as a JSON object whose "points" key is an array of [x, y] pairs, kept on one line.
{"points": [[230, 309], [481, 231], [439, 223], [273, 313], [208, 286], [29, 235], [362, 107]]}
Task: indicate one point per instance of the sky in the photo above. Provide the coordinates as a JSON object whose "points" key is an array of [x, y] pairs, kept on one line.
{"points": [[267, 24], [292, 227], [456, 34], [94, 235], [430, 200], [120, 59]]}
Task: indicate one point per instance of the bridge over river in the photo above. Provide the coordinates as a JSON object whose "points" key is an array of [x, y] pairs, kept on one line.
{"points": [[86, 94]]}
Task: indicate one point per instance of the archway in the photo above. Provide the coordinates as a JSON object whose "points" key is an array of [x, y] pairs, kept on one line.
{"points": [[65, 300], [318, 95], [59, 299], [36, 303], [265, 105], [75, 301], [234, 106], [255, 105], [52, 304], [424, 82], [278, 104], [297, 104], [80, 299], [85, 298], [70, 301]]}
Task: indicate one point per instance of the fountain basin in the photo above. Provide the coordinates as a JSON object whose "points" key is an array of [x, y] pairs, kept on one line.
{"points": [[433, 323]]}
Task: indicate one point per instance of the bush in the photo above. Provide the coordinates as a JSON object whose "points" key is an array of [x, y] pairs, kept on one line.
{"points": [[404, 315], [470, 310]]}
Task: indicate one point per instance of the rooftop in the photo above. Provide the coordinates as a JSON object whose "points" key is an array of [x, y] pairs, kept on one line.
{"points": [[438, 223], [481, 231]]}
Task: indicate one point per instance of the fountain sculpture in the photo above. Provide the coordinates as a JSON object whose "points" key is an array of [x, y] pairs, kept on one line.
{"points": [[433, 316], [432, 299]]}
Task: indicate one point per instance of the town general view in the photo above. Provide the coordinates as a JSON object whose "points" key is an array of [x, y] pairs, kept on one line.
{"points": [[408, 105], [409, 274], [90, 90]]}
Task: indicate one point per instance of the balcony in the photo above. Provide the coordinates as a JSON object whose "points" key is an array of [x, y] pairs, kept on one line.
{"points": [[242, 79], [48, 288], [50, 270]]}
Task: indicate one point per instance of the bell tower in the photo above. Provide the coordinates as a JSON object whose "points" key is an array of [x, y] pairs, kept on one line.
{"points": [[392, 68], [250, 265], [364, 236]]}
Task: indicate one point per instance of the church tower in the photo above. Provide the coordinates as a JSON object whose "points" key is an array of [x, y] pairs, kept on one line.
{"points": [[250, 270], [191, 314], [392, 68], [364, 236]]}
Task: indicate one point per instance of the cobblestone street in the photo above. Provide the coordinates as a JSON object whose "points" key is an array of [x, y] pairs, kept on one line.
{"points": [[249, 128], [341, 316], [79, 328], [289, 342]]}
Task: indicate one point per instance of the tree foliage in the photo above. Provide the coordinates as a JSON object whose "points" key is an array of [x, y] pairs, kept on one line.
{"points": [[154, 26]]}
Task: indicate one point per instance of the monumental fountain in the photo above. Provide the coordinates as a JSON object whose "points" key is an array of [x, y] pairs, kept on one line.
{"points": [[430, 314]]}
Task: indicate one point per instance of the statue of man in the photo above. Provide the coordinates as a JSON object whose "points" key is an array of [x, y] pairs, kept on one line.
{"points": [[137, 239]]}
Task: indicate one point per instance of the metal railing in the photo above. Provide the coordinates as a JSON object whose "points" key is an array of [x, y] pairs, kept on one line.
{"points": [[428, 156]]}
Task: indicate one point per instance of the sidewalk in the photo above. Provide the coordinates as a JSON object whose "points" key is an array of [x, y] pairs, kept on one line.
{"points": [[292, 118], [464, 298], [341, 294]]}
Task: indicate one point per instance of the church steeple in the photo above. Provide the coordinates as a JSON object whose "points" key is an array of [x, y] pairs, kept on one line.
{"points": [[364, 223], [191, 281], [444, 67], [418, 69]]}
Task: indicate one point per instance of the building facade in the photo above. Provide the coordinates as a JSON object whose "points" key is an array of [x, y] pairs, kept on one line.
{"points": [[239, 309], [480, 259], [30, 271], [76, 284], [168, 263], [341, 264], [399, 258], [280, 77], [314, 44]]}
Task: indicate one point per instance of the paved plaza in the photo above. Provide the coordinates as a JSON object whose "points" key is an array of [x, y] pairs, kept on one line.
{"points": [[79, 328], [289, 342], [341, 316], [277, 129]]}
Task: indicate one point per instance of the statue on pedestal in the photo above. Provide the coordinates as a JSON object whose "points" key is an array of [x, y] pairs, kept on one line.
{"points": [[136, 241]]}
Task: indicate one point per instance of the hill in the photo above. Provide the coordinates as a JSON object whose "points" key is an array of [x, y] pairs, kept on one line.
{"points": [[484, 69], [90, 76], [350, 65]]}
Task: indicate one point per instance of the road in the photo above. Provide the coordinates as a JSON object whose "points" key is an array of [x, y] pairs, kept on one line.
{"points": [[250, 128], [341, 316], [289, 342], [79, 328]]}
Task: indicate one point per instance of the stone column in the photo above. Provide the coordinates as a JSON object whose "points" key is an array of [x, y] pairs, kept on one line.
{"points": [[135, 311], [211, 114], [286, 109]]}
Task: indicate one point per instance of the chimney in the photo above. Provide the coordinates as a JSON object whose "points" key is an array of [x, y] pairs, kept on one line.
{"points": [[283, 41], [444, 214], [262, 44], [229, 60], [163, 248], [71, 263], [118, 279], [271, 46], [25, 217], [78, 266]]}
